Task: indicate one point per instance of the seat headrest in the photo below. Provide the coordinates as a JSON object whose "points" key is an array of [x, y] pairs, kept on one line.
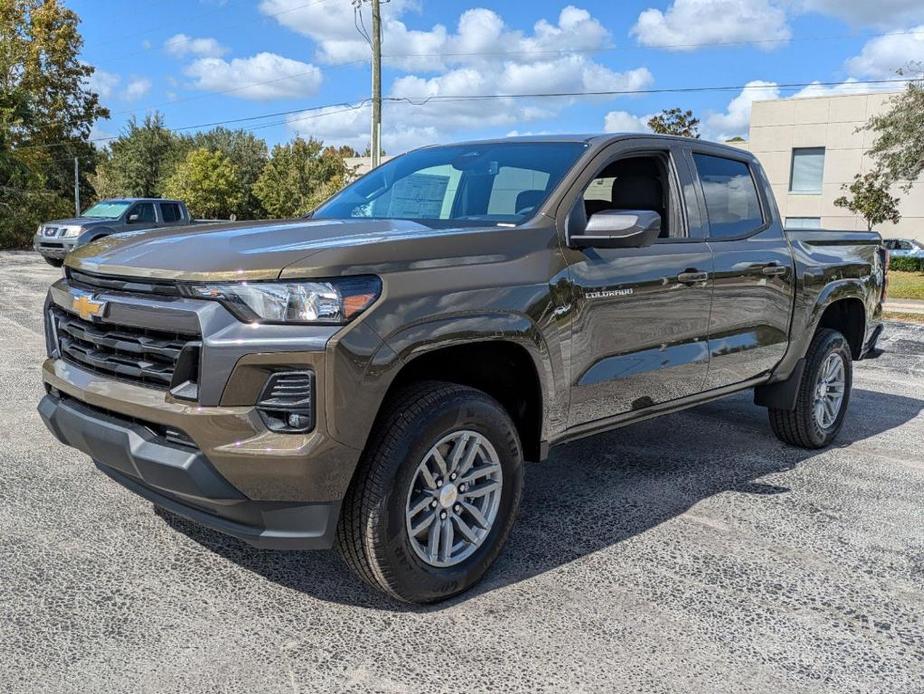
{"points": [[528, 199], [634, 192]]}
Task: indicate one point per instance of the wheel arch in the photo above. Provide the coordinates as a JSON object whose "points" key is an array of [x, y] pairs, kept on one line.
{"points": [[503, 355]]}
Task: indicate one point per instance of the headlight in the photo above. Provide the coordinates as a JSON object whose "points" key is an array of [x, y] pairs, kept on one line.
{"points": [[71, 232], [328, 301]]}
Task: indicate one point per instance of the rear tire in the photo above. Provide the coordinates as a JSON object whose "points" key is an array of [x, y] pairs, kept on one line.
{"points": [[54, 262], [823, 395], [399, 472]]}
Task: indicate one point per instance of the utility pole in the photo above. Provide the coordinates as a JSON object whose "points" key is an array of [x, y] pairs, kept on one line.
{"points": [[77, 185], [376, 145]]}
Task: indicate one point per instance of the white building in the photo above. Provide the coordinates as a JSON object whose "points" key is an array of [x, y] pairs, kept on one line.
{"points": [[811, 147]]}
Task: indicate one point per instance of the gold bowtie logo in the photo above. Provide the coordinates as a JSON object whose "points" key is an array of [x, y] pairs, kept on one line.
{"points": [[87, 307]]}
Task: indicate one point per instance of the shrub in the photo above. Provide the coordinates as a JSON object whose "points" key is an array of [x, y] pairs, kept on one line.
{"points": [[907, 264]]}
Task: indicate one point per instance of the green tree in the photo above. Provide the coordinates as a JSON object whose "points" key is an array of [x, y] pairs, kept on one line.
{"points": [[898, 147], [209, 184], [299, 176], [139, 160], [675, 122], [870, 198], [248, 153], [46, 113]]}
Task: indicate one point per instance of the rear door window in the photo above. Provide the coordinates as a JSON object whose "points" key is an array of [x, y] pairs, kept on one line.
{"points": [[732, 204], [170, 212]]}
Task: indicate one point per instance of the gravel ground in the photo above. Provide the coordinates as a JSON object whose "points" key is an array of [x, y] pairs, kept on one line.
{"points": [[693, 553]]}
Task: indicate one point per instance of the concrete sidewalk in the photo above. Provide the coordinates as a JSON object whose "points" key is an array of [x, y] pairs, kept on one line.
{"points": [[905, 306]]}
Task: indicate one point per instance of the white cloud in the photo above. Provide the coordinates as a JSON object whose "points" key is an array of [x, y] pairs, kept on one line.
{"points": [[868, 12], [625, 122], [181, 45], [737, 116], [849, 86], [882, 56], [689, 24], [262, 77], [136, 89], [483, 56], [103, 83]]}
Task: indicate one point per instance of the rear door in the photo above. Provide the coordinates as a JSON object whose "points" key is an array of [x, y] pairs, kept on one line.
{"points": [[640, 315], [753, 280]]}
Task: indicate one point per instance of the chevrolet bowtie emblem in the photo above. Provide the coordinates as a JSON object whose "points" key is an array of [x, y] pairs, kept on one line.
{"points": [[87, 307]]}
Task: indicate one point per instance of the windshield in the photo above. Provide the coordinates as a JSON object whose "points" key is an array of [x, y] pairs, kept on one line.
{"points": [[503, 182], [107, 209]]}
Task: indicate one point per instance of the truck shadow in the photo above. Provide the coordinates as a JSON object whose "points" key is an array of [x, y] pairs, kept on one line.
{"points": [[597, 492]]}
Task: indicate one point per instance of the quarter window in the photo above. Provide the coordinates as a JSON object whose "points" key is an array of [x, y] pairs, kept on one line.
{"points": [[732, 204], [808, 166]]}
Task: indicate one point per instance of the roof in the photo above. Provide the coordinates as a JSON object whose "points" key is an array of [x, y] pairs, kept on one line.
{"points": [[140, 200]]}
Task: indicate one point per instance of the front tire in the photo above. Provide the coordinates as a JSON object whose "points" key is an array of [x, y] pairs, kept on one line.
{"points": [[54, 262], [436, 493], [823, 394]]}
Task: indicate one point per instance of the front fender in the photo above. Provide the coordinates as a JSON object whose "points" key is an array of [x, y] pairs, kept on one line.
{"points": [[424, 337]]}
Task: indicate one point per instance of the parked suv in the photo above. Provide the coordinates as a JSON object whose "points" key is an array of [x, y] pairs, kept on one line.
{"points": [[54, 240], [375, 376]]}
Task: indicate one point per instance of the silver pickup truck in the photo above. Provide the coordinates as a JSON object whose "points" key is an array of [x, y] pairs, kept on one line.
{"points": [[55, 239]]}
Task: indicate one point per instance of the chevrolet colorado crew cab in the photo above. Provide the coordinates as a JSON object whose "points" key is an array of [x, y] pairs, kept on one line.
{"points": [[55, 239], [374, 376]]}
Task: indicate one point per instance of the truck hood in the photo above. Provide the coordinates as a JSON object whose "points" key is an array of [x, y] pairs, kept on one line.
{"points": [[268, 250], [79, 221]]}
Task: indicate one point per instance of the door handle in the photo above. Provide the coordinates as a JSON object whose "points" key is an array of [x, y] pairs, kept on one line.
{"points": [[692, 277], [773, 269]]}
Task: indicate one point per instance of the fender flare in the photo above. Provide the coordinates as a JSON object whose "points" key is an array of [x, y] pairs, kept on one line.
{"points": [[408, 343]]}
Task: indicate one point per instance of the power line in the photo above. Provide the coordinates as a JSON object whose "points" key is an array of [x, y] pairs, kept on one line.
{"points": [[323, 110]]}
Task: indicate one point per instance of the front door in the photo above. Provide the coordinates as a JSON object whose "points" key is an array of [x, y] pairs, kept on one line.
{"points": [[641, 315]]}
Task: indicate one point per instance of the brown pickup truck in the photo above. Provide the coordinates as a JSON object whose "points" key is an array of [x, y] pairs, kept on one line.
{"points": [[374, 376]]}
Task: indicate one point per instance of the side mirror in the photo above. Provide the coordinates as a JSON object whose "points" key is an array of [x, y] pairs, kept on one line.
{"points": [[132, 218], [619, 229]]}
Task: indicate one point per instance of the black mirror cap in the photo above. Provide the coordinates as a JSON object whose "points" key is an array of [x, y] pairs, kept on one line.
{"points": [[619, 229]]}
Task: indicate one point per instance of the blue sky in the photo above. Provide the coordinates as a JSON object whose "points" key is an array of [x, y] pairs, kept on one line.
{"points": [[202, 61]]}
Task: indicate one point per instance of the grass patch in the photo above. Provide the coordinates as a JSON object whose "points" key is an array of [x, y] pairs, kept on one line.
{"points": [[906, 285], [903, 317]]}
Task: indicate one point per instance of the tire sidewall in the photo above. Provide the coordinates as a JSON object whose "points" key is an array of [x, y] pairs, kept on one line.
{"points": [[830, 343], [413, 578]]}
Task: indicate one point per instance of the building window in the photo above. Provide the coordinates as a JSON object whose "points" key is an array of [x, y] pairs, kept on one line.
{"points": [[803, 222], [808, 166]]}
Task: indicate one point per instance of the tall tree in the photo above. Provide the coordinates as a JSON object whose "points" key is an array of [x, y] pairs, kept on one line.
{"points": [[48, 111], [247, 153], [208, 182], [673, 121], [870, 197], [898, 147], [139, 160], [299, 176]]}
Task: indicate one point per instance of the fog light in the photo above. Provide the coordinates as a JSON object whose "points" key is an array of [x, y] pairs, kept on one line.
{"points": [[287, 402], [298, 421]]}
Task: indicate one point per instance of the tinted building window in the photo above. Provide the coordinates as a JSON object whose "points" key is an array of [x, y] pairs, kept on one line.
{"points": [[732, 204], [808, 166]]}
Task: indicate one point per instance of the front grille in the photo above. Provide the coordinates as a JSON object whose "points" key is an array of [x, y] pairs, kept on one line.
{"points": [[153, 358], [128, 285]]}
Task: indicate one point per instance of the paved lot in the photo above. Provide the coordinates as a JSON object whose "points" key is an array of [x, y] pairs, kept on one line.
{"points": [[690, 553]]}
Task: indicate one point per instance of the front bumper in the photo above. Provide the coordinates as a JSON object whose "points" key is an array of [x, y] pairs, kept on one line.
{"points": [[181, 479], [54, 246]]}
